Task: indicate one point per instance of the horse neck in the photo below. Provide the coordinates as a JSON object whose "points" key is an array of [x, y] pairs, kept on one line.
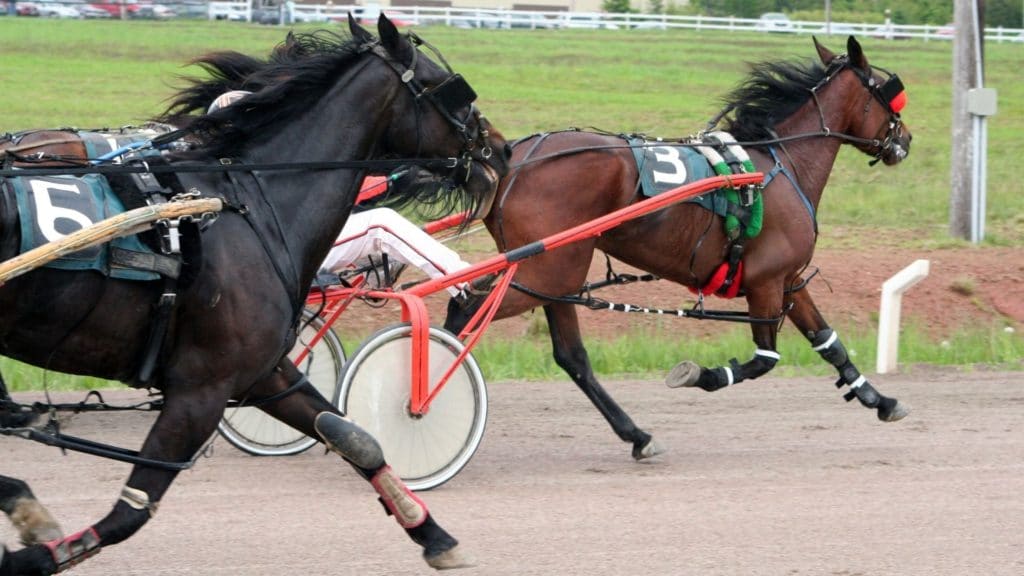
{"points": [[312, 206], [811, 159]]}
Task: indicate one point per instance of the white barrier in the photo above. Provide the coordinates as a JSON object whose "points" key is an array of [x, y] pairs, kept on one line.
{"points": [[889, 314]]}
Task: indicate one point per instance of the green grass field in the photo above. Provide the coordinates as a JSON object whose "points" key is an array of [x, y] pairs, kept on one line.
{"points": [[95, 74]]}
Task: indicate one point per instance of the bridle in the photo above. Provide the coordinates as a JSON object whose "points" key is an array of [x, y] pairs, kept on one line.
{"points": [[889, 93], [449, 97]]}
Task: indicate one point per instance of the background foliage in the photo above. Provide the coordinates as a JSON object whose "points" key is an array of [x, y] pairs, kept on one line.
{"points": [[1005, 13]]}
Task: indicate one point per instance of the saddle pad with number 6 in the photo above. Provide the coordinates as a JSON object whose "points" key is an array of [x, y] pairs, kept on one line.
{"points": [[51, 207]]}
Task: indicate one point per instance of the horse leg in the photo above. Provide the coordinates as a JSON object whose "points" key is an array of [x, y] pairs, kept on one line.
{"points": [[766, 302], [571, 356], [309, 412], [33, 522], [188, 418], [808, 320]]}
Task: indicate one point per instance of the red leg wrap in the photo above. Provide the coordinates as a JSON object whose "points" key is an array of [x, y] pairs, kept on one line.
{"points": [[406, 507], [73, 549]]}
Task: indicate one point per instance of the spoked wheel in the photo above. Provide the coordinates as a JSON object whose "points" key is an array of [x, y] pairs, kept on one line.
{"points": [[255, 432], [425, 450]]}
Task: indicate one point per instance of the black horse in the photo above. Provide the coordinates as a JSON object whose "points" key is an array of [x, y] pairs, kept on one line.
{"points": [[347, 99]]}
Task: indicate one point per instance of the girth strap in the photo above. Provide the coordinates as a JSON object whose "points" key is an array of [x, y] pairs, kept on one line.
{"points": [[779, 168], [293, 375]]}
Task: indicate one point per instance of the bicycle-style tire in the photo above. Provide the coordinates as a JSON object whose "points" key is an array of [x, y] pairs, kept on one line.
{"points": [[254, 431], [424, 450]]}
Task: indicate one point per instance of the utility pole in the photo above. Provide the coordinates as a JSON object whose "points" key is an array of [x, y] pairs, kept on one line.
{"points": [[972, 104]]}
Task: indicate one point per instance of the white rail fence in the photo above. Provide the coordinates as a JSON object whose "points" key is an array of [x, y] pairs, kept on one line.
{"points": [[501, 19]]}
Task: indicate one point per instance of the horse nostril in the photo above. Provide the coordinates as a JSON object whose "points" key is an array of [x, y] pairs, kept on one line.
{"points": [[508, 151]]}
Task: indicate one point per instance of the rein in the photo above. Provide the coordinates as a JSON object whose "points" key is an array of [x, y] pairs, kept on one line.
{"points": [[228, 165], [890, 94], [685, 142], [447, 98]]}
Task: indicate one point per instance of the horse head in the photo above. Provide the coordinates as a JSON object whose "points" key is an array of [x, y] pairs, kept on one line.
{"points": [[429, 109], [446, 120], [873, 118]]}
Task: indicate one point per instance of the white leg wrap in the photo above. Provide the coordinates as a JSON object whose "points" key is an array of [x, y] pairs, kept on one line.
{"points": [[856, 383], [407, 508], [831, 340], [729, 376], [138, 500], [768, 354]]}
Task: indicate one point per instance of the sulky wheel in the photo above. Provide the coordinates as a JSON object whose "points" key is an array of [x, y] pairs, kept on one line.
{"points": [[255, 432], [425, 450]]}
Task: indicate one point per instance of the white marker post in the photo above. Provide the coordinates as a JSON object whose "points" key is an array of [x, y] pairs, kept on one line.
{"points": [[889, 315]]}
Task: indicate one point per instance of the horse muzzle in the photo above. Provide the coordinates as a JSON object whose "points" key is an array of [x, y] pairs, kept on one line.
{"points": [[896, 151]]}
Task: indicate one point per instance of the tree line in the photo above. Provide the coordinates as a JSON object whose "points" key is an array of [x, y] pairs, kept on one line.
{"points": [[1005, 13]]}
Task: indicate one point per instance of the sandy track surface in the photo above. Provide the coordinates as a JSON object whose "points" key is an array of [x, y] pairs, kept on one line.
{"points": [[774, 477]]}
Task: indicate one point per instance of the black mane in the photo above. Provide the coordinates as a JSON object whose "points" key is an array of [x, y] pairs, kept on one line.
{"points": [[771, 93], [295, 76]]}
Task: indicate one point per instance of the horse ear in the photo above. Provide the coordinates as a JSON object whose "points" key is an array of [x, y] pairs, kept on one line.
{"points": [[856, 54], [392, 39], [825, 54], [358, 32]]}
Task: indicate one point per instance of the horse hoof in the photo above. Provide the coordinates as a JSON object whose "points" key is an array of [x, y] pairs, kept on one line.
{"points": [[894, 414], [450, 559], [683, 375], [649, 450], [346, 438]]}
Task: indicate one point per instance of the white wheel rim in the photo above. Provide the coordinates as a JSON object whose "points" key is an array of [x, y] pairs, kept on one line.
{"points": [[428, 450]]}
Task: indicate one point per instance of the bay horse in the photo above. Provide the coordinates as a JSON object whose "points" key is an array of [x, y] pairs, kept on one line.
{"points": [[796, 115], [350, 104]]}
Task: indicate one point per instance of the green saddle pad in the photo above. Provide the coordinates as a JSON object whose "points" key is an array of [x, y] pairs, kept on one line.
{"points": [[664, 166]]}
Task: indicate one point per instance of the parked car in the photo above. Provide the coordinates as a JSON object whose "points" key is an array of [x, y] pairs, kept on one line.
{"points": [[269, 16], [50, 10], [114, 10], [26, 9], [774, 22], [90, 12], [367, 16], [480, 20], [152, 12], [530, 20], [191, 9]]}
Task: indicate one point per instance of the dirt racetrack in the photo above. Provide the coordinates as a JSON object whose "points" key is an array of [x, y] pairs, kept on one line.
{"points": [[773, 477]]}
